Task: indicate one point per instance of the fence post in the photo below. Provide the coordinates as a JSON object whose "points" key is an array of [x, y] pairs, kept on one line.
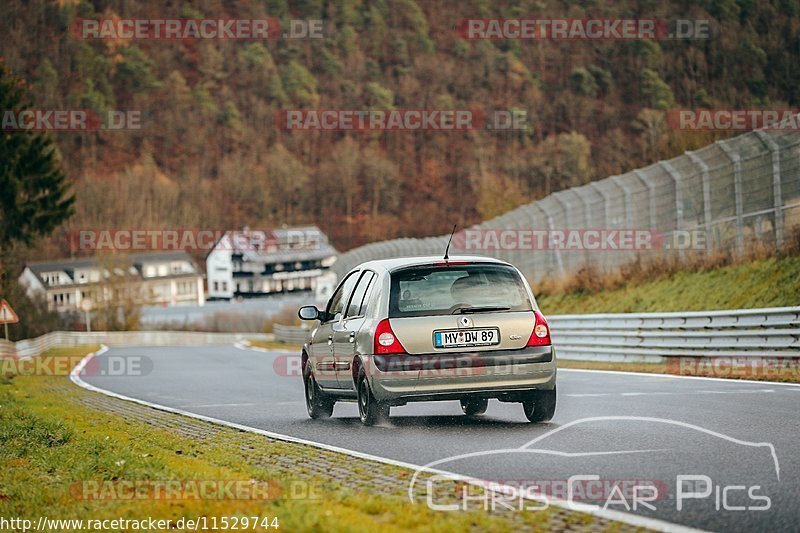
{"points": [[777, 194], [651, 196], [697, 160], [628, 204], [586, 214], [736, 161], [676, 177], [550, 227]]}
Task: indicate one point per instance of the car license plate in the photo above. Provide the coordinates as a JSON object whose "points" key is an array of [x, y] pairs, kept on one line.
{"points": [[466, 337]]}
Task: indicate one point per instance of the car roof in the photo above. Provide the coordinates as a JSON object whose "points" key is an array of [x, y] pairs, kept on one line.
{"points": [[400, 262]]}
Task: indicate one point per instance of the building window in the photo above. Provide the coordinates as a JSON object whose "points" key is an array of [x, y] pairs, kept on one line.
{"points": [[216, 285]]}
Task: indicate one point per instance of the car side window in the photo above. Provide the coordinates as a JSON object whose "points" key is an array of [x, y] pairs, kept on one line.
{"points": [[337, 301], [356, 306]]}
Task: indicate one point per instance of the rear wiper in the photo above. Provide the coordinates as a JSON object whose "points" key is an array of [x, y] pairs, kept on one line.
{"points": [[480, 309]]}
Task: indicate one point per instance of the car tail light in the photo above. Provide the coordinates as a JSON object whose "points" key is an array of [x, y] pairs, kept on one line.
{"points": [[540, 336], [386, 341]]}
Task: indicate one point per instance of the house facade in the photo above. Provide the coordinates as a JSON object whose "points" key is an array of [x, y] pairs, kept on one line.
{"points": [[252, 263], [158, 278]]}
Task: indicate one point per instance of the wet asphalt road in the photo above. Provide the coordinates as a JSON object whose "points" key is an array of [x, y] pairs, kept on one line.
{"points": [[629, 429]]}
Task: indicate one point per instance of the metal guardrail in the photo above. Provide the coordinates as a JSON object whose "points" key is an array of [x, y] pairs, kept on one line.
{"points": [[629, 337], [653, 337], [291, 334], [35, 346]]}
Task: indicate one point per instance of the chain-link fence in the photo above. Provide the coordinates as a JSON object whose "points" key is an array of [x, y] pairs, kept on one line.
{"points": [[723, 196]]}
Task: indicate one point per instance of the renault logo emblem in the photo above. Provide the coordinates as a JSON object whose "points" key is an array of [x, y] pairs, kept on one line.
{"points": [[465, 322]]}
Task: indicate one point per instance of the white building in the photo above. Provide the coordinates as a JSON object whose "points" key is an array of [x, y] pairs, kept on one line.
{"points": [[158, 278], [252, 263]]}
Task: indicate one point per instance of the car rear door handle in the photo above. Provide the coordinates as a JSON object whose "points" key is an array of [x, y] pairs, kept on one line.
{"points": [[330, 339], [352, 337]]}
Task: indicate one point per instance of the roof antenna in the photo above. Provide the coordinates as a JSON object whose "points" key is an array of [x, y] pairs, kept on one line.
{"points": [[447, 250]]}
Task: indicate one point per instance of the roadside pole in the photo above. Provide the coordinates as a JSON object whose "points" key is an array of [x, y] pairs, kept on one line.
{"points": [[87, 306], [7, 316]]}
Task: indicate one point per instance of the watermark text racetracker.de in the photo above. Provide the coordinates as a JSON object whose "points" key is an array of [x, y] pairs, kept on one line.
{"points": [[194, 489], [69, 120], [734, 119], [444, 120], [196, 29], [586, 29], [106, 366], [742, 367], [202, 239], [589, 239]]}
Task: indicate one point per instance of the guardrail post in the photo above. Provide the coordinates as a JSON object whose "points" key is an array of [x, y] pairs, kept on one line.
{"points": [[736, 161], [697, 160], [777, 195]]}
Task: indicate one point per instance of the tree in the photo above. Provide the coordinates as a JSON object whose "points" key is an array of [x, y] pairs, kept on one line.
{"points": [[35, 195]]}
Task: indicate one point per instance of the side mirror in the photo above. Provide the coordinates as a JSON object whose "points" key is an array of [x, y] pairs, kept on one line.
{"points": [[309, 312]]}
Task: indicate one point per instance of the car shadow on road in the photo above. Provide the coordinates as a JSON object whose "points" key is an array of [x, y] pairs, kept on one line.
{"points": [[449, 422]]}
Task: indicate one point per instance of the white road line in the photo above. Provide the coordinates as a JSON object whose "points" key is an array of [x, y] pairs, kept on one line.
{"points": [[667, 393], [594, 510], [219, 405]]}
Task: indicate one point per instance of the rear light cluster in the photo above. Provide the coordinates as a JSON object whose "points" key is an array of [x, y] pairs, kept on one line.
{"points": [[540, 336], [385, 341]]}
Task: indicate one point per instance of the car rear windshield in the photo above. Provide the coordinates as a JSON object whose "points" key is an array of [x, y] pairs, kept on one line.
{"points": [[445, 290]]}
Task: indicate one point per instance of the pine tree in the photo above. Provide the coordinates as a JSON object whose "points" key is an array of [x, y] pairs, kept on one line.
{"points": [[34, 192]]}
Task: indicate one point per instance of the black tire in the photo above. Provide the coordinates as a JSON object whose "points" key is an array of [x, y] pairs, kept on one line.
{"points": [[370, 410], [474, 406], [540, 405], [318, 404]]}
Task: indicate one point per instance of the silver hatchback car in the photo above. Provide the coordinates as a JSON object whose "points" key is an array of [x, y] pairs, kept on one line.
{"points": [[424, 328]]}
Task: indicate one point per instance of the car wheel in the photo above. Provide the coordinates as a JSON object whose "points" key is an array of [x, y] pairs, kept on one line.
{"points": [[540, 405], [474, 406], [318, 404], [370, 410]]}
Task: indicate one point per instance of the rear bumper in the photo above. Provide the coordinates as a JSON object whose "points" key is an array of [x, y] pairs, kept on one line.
{"points": [[454, 375]]}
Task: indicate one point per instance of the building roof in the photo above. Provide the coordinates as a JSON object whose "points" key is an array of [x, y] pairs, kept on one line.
{"points": [[281, 245], [136, 260]]}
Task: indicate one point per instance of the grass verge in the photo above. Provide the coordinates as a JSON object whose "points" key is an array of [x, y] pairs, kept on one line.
{"points": [[773, 282], [786, 374]]}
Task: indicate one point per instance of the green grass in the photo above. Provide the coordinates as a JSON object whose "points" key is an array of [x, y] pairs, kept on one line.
{"points": [[49, 442], [764, 283]]}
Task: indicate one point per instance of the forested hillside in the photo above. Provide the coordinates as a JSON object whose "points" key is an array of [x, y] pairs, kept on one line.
{"points": [[209, 153]]}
